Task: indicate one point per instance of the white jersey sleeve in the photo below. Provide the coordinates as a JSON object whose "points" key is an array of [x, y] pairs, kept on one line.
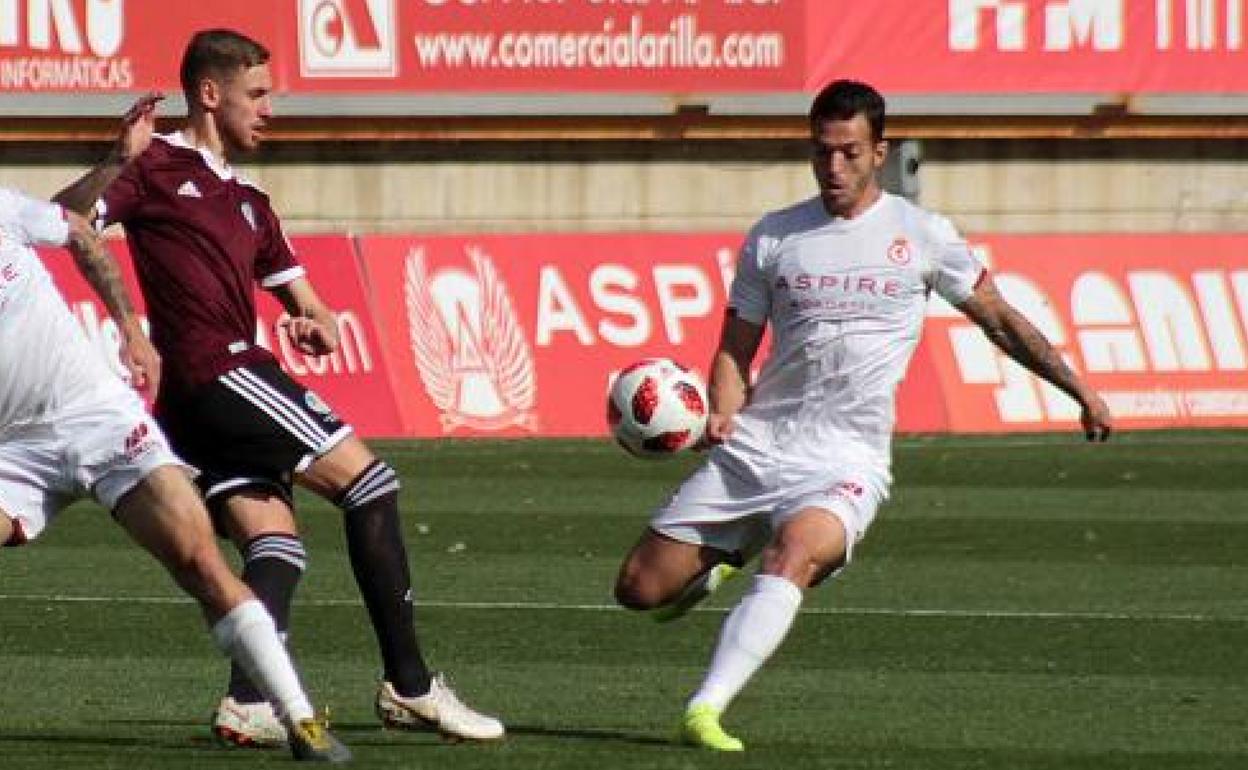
{"points": [[750, 296], [955, 271], [34, 222]]}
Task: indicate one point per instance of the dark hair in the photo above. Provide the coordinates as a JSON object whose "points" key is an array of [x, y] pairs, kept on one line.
{"points": [[843, 99], [219, 53]]}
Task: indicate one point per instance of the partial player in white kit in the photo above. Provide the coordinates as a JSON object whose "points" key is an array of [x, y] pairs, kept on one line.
{"points": [[70, 428], [802, 456]]}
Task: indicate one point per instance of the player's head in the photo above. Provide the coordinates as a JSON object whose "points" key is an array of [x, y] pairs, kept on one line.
{"points": [[847, 145], [225, 75]]}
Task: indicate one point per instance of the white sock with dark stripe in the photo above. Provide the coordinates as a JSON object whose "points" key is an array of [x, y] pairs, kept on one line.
{"points": [[273, 565], [247, 634]]}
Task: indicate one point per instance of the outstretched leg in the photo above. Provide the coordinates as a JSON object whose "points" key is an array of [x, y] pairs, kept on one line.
{"points": [[367, 491], [163, 514], [661, 573], [805, 547], [258, 519]]}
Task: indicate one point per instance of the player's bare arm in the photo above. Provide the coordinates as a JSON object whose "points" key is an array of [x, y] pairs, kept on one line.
{"points": [[729, 383], [137, 127], [311, 326], [1010, 331], [99, 268]]}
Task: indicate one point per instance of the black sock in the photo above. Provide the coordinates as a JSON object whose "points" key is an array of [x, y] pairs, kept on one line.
{"points": [[272, 566], [370, 507]]}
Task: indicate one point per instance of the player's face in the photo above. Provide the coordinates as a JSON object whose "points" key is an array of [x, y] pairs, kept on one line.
{"points": [[846, 162], [244, 109]]}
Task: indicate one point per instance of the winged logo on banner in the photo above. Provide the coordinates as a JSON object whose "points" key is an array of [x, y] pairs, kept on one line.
{"points": [[468, 347], [431, 342], [507, 356]]}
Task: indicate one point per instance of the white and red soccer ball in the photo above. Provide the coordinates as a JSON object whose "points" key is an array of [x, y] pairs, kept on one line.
{"points": [[656, 407]]}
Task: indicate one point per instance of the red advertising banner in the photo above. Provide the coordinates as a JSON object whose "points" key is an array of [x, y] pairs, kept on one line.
{"points": [[362, 47], [79, 46], [545, 45], [1031, 46], [355, 380], [520, 335], [415, 46], [1157, 323]]}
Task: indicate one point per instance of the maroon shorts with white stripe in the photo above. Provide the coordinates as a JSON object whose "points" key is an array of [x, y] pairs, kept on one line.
{"points": [[253, 427]]}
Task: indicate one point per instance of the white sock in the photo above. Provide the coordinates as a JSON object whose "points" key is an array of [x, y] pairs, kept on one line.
{"points": [[248, 635], [750, 634]]}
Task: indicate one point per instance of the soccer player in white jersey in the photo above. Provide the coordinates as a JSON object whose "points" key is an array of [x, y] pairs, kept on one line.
{"points": [[70, 428], [801, 457]]}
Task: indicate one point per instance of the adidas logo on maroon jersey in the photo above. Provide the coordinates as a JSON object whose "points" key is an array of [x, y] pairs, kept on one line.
{"points": [[189, 190]]}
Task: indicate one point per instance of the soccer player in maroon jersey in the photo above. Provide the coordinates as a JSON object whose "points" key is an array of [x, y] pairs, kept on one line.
{"points": [[202, 237]]}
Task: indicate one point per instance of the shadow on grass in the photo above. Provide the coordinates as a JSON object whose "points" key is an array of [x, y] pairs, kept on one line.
{"points": [[596, 735], [198, 735]]}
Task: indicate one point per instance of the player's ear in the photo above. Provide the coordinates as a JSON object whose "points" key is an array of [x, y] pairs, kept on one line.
{"points": [[209, 93], [880, 151]]}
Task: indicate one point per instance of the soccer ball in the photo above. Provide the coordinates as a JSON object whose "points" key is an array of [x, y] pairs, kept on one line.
{"points": [[656, 408]]}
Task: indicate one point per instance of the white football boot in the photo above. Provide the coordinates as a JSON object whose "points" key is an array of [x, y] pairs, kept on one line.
{"points": [[252, 725], [439, 710]]}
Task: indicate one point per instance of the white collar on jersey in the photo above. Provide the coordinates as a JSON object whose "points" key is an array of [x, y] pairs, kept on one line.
{"points": [[218, 165], [842, 223]]}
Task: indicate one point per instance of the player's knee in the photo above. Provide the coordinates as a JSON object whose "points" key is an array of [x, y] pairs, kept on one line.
{"points": [[8, 531], [635, 590], [631, 597], [199, 568], [793, 562]]}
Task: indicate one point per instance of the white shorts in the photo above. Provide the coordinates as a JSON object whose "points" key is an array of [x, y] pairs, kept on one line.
{"points": [[95, 447], [738, 513]]}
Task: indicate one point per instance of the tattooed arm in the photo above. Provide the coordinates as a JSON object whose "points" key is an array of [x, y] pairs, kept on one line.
{"points": [[137, 127], [1023, 342], [97, 265]]}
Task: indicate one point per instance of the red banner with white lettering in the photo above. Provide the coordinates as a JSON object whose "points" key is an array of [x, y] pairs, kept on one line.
{"points": [[611, 46], [82, 46], [520, 334], [545, 45], [1031, 46], [415, 46], [1157, 323], [517, 335], [355, 380]]}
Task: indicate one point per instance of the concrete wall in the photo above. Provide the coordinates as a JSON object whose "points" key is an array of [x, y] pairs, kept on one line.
{"points": [[999, 186], [1081, 186]]}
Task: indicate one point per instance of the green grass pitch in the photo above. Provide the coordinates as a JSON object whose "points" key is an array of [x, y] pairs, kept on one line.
{"points": [[1019, 603]]}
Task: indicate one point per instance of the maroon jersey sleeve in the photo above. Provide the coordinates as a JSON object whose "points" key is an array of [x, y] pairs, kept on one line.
{"points": [[276, 263], [122, 197]]}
